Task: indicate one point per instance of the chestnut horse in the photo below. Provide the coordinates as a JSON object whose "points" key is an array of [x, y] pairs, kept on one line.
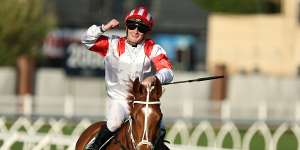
{"points": [[141, 130]]}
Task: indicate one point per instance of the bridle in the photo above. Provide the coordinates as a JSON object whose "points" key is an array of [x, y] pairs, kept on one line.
{"points": [[145, 140]]}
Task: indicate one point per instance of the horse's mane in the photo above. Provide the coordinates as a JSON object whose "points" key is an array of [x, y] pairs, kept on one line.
{"points": [[137, 91]]}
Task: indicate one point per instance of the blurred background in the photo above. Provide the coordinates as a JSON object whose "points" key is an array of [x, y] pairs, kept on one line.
{"points": [[51, 85]]}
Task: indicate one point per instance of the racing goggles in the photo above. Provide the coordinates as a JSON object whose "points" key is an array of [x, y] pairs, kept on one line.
{"points": [[132, 25]]}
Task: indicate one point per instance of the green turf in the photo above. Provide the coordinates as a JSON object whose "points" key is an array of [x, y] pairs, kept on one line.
{"points": [[287, 141]]}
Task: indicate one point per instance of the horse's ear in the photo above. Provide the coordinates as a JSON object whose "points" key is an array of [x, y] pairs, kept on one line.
{"points": [[157, 90], [136, 85], [139, 91]]}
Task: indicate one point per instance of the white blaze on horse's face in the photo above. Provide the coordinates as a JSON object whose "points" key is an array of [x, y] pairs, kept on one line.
{"points": [[147, 111]]}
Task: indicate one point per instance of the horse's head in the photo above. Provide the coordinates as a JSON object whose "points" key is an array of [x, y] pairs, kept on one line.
{"points": [[145, 113]]}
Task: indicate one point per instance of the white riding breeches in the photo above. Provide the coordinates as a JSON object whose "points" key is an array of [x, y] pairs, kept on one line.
{"points": [[116, 112]]}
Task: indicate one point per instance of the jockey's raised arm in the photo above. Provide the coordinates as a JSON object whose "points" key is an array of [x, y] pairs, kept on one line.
{"points": [[127, 58], [94, 39]]}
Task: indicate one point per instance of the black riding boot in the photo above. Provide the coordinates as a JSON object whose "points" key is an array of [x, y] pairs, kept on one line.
{"points": [[100, 139], [160, 145]]}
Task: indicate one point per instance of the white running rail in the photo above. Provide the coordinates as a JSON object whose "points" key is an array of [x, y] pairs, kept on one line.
{"points": [[29, 133]]}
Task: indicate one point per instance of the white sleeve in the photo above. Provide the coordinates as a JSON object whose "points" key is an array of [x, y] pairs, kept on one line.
{"points": [[165, 75], [91, 35]]}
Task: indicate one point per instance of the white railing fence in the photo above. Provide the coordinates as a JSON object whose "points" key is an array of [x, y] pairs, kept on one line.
{"points": [[228, 109], [34, 137]]}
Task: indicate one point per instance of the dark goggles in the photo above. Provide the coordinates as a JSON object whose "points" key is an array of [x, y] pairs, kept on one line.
{"points": [[132, 25]]}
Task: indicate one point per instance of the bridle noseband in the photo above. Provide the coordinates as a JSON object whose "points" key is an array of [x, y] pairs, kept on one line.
{"points": [[145, 140]]}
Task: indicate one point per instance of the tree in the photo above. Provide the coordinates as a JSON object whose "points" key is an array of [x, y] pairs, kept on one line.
{"points": [[23, 26], [240, 6]]}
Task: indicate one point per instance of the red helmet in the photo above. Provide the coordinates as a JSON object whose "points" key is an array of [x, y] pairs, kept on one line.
{"points": [[141, 13]]}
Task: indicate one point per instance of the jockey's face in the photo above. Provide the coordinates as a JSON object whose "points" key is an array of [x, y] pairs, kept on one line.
{"points": [[134, 36], [135, 32]]}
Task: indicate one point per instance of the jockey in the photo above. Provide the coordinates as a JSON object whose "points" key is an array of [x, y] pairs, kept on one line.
{"points": [[126, 58]]}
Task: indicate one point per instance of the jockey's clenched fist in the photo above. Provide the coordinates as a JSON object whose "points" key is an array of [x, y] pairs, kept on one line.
{"points": [[110, 25], [149, 81]]}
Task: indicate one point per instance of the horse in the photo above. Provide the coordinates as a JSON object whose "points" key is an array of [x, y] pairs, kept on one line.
{"points": [[141, 131]]}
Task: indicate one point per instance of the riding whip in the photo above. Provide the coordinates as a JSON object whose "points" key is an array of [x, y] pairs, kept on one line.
{"points": [[195, 80]]}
